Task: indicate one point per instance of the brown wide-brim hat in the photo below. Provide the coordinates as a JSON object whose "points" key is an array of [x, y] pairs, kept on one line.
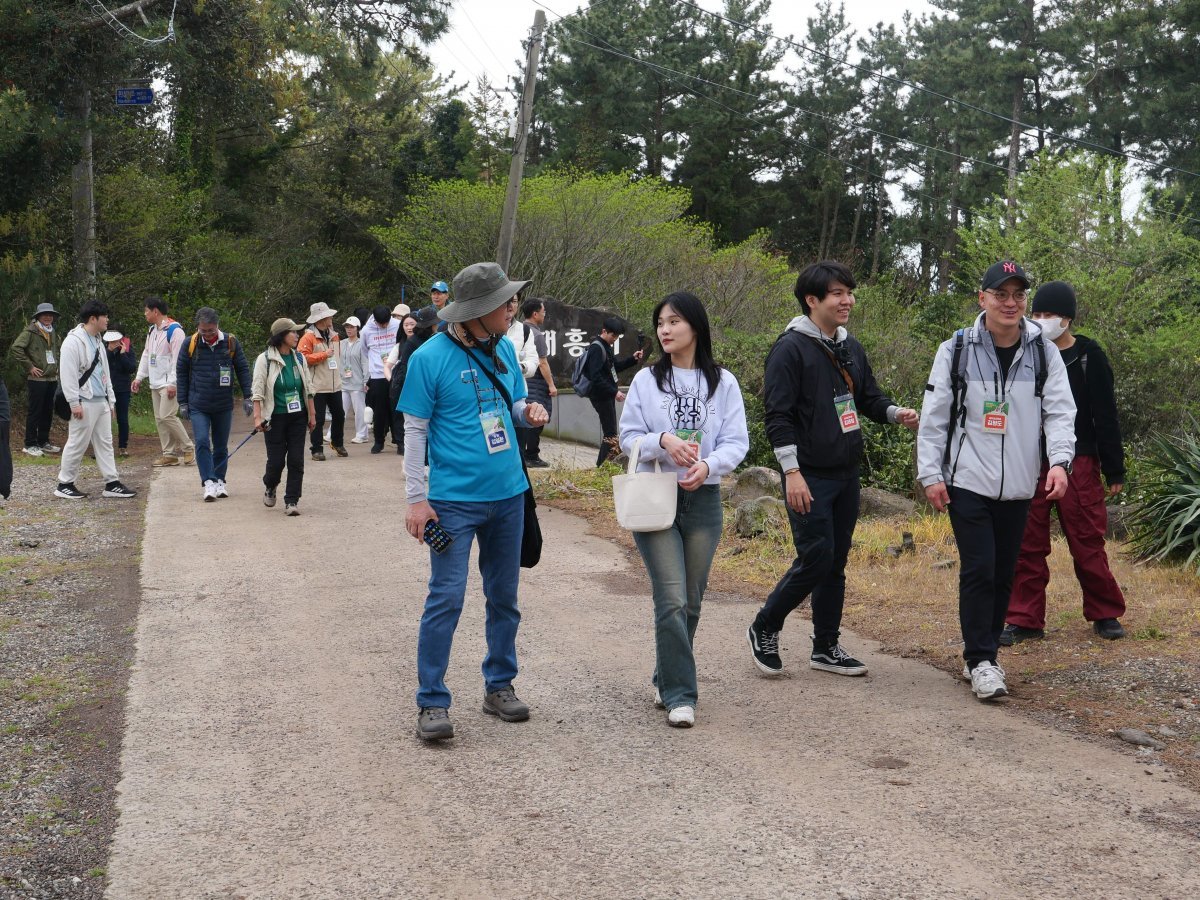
{"points": [[319, 311], [479, 289], [279, 326]]}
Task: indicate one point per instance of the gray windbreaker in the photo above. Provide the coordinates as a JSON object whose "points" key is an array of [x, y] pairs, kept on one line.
{"points": [[1002, 467]]}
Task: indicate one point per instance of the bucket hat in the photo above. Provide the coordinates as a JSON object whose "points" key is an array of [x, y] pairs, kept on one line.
{"points": [[353, 320], [401, 309], [112, 335], [44, 308], [279, 326], [319, 311], [479, 289]]}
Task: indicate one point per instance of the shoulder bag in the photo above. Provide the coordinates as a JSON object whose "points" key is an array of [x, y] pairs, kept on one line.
{"points": [[645, 501], [62, 408]]}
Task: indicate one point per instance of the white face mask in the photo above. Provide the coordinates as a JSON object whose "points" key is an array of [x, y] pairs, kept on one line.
{"points": [[49, 329], [1052, 327]]}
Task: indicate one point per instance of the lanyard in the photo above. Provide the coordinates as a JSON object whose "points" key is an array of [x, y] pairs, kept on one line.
{"points": [[837, 365]]}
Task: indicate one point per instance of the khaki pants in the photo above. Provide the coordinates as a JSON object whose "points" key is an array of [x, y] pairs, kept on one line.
{"points": [[94, 428], [171, 433]]}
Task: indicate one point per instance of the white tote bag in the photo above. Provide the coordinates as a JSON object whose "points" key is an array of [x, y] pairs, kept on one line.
{"points": [[645, 501]]}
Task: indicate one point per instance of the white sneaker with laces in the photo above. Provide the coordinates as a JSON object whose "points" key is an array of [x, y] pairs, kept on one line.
{"points": [[210, 491], [987, 681], [222, 493], [33, 451], [681, 717], [358, 440]]}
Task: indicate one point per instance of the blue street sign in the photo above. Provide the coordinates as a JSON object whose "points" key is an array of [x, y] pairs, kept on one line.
{"points": [[142, 96]]}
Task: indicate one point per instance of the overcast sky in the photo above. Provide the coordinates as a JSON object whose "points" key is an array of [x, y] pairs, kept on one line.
{"points": [[485, 35]]}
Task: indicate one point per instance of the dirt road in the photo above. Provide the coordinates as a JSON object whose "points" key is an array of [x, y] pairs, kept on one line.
{"points": [[270, 750]]}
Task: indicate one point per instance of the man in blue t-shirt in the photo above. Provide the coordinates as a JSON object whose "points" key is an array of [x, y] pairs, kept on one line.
{"points": [[462, 393]]}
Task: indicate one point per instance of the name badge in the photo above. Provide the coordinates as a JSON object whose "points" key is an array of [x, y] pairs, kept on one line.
{"points": [[292, 398], [332, 362], [995, 416], [494, 434], [50, 360], [692, 437], [347, 372], [226, 376], [153, 359], [847, 413]]}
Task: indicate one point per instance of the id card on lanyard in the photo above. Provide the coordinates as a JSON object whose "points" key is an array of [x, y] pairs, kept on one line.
{"points": [[226, 376], [847, 413]]}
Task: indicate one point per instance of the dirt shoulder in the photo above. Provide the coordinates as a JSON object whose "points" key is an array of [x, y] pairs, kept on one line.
{"points": [[69, 594]]}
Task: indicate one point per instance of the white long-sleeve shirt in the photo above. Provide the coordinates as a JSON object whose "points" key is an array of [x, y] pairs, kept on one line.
{"points": [[686, 407], [163, 344]]}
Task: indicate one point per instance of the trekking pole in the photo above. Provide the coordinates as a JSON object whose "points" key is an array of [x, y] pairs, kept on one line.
{"points": [[245, 441]]}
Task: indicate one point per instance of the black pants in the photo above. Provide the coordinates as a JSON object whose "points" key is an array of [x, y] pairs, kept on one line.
{"points": [[988, 533], [822, 540], [40, 413], [285, 444], [377, 399], [6, 465], [337, 429], [123, 400], [607, 411], [530, 442], [398, 429]]}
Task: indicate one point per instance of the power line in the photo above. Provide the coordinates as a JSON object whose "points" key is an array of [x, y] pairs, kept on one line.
{"points": [[125, 31], [922, 89]]}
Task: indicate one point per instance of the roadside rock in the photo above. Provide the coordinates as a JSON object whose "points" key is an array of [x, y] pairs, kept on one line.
{"points": [[876, 503], [755, 517], [750, 484], [1140, 738], [1120, 519]]}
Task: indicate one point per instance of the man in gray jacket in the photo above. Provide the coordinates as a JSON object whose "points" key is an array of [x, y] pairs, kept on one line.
{"points": [[994, 390]]}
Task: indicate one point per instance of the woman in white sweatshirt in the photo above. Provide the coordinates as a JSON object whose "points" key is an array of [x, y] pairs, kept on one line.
{"points": [[690, 414]]}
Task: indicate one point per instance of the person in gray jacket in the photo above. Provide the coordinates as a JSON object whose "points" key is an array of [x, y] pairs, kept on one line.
{"points": [[354, 380], [995, 389]]}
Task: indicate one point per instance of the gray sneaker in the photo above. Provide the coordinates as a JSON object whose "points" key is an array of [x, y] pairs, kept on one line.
{"points": [[433, 724], [504, 703]]}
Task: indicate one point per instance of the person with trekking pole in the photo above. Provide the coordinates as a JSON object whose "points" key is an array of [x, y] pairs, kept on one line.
{"points": [[283, 408]]}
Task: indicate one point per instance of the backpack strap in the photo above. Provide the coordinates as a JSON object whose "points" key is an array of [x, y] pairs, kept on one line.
{"points": [[1039, 369], [192, 345], [958, 393]]}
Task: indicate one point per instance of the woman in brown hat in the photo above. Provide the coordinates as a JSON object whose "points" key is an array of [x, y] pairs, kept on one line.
{"points": [[322, 351], [283, 410]]}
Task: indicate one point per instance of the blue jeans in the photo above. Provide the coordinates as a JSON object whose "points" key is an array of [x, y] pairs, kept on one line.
{"points": [[678, 560], [210, 433], [497, 525]]}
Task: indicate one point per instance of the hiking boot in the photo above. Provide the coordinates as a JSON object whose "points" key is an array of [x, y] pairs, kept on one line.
{"points": [[290, 509], [189, 457], [764, 645], [165, 461], [1109, 629], [504, 703], [537, 463], [1014, 634], [835, 659], [681, 717], [433, 724], [340, 451], [210, 491], [318, 456], [51, 448], [269, 497], [118, 490], [33, 451], [122, 452], [222, 492], [987, 681], [377, 448], [69, 492]]}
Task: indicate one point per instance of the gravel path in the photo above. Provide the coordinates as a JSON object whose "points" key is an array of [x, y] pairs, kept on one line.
{"points": [[270, 751]]}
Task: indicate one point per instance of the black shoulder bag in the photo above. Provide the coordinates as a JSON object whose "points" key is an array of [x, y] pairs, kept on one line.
{"points": [[62, 408], [531, 537]]}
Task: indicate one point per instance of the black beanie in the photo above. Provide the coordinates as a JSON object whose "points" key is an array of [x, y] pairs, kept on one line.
{"points": [[1056, 297]]}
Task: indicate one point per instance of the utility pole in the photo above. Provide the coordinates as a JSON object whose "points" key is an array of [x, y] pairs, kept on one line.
{"points": [[83, 200], [508, 222]]}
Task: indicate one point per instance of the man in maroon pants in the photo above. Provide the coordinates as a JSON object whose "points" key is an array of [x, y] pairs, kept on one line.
{"points": [[1081, 512]]}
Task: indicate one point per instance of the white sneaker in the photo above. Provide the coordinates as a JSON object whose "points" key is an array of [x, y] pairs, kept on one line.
{"points": [[966, 671], [358, 440], [658, 700], [987, 681], [210, 491], [33, 451], [221, 492], [681, 717]]}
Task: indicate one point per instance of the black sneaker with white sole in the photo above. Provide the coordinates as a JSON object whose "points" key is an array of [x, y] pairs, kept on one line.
{"points": [[764, 645], [835, 659], [69, 492], [118, 490]]}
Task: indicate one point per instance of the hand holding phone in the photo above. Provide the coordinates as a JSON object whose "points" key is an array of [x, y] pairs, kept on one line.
{"points": [[437, 537]]}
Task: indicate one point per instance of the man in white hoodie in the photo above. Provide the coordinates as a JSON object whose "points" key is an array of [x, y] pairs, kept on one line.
{"points": [[87, 387], [995, 389]]}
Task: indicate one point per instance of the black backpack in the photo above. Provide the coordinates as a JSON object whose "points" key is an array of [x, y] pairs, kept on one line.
{"points": [[580, 381]]}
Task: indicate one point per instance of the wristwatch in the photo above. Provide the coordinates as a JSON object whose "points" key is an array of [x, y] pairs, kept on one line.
{"points": [[1065, 465]]}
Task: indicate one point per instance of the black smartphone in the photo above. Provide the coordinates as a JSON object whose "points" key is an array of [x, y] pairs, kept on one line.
{"points": [[437, 537]]}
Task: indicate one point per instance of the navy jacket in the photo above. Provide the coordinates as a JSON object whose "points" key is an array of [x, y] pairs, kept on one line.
{"points": [[122, 366], [198, 378]]}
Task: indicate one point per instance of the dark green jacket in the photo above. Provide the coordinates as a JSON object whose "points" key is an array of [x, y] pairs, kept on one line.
{"points": [[29, 350]]}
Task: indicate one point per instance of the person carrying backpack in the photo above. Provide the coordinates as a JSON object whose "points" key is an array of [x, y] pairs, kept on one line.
{"points": [[995, 390], [159, 360], [597, 371], [204, 375]]}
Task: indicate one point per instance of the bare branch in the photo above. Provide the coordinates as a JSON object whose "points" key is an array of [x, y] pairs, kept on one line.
{"points": [[121, 12]]}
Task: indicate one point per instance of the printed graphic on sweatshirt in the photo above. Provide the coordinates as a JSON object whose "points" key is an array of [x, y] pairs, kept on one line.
{"points": [[687, 408]]}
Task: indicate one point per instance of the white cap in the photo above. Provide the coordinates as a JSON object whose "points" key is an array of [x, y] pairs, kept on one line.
{"points": [[401, 309], [353, 320], [112, 336]]}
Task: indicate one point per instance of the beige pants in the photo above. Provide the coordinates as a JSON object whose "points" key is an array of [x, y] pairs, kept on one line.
{"points": [[171, 433], [94, 428]]}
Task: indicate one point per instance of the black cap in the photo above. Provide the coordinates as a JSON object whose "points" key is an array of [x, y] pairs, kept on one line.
{"points": [[425, 316], [1055, 297], [1002, 272]]}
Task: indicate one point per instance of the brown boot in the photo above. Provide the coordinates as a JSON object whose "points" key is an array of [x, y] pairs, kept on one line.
{"points": [[166, 461]]}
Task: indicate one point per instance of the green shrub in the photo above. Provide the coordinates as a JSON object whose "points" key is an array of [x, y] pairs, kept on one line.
{"points": [[1167, 524]]}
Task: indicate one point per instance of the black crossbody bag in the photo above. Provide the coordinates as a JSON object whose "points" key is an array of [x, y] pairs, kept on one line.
{"points": [[62, 408], [531, 536]]}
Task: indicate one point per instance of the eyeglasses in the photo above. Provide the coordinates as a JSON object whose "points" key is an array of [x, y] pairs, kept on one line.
{"points": [[1004, 296]]}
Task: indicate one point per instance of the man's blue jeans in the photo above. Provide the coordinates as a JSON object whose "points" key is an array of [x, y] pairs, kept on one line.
{"points": [[210, 432], [497, 525], [678, 560]]}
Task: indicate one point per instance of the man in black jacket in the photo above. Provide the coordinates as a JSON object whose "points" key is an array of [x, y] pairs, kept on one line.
{"points": [[817, 382], [1081, 511], [600, 367]]}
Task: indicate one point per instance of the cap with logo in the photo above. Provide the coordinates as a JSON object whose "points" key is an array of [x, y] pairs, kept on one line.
{"points": [[1001, 272], [353, 320], [441, 287]]}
